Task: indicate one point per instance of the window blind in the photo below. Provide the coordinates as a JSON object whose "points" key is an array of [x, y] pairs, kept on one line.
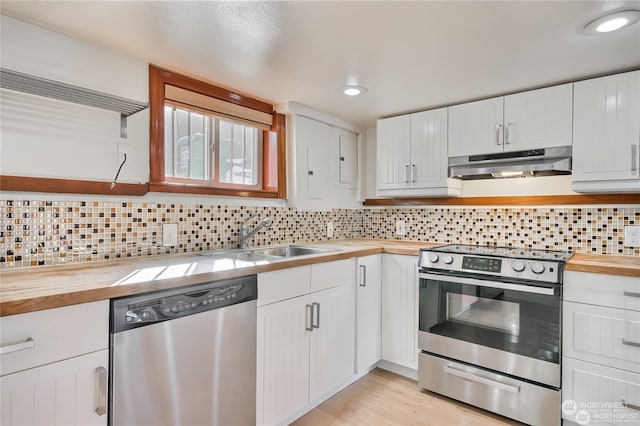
{"points": [[189, 99]]}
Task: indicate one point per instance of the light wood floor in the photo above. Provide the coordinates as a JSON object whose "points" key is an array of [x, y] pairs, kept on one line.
{"points": [[384, 398]]}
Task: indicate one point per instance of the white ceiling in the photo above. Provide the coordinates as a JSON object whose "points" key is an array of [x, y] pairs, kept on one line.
{"points": [[410, 55]]}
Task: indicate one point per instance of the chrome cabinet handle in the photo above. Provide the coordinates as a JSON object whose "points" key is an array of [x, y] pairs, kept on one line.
{"points": [[634, 157], [450, 369], [309, 323], [413, 173], [363, 276], [101, 410], [630, 343], [317, 323], [627, 404], [631, 293], [406, 173], [498, 131], [27, 344], [507, 134]]}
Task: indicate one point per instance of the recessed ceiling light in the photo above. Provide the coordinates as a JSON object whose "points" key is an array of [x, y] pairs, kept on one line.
{"points": [[352, 90], [612, 22]]}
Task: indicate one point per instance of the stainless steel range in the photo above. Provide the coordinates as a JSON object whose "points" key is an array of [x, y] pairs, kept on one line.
{"points": [[489, 328]]}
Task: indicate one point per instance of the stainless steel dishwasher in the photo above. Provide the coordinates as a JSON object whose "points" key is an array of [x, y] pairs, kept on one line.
{"points": [[185, 356]]}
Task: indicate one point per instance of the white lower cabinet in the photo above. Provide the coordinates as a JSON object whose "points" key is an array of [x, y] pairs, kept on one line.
{"points": [[332, 341], [607, 395], [400, 310], [283, 359], [54, 366], [368, 293], [69, 392], [306, 342], [601, 349]]}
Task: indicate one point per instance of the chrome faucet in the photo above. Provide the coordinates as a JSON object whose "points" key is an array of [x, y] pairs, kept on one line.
{"points": [[246, 234]]}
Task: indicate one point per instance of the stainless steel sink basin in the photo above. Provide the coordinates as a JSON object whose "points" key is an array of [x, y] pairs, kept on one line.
{"points": [[267, 253], [291, 251]]}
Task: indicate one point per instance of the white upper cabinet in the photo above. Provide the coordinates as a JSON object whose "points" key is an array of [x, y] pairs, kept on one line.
{"points": [[347, 154], [326, 165], [538, 118], [606, 134], [393, 152], [412, 155], [476, 128], [529, 120], [429, 162]]}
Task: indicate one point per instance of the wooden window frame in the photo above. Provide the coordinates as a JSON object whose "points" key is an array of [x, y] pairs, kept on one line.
{"points": [[158, 78]]}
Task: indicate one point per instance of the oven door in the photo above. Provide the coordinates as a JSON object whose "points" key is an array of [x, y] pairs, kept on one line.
{"points": [[504, 326]]}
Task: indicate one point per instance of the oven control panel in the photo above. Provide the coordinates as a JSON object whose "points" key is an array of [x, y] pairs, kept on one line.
{"points": [[526, 269], [482, 264]]}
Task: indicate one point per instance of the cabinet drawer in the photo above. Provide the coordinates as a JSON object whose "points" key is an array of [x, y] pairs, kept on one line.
{"points": [[603, 335], [608, 395], [333, 274], [600, 289], [55, 334], [284, 284]]}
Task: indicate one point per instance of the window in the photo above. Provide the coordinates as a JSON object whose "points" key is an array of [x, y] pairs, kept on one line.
{"points": [[208, 140]]}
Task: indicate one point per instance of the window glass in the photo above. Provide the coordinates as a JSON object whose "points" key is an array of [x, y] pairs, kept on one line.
{"points": [[194, 142], [238, 153]]}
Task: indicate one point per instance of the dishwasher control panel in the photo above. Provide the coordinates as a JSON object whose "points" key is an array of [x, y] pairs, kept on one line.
{"points": [[136, 311]]}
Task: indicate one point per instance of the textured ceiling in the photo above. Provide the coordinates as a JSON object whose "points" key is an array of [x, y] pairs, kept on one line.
{"points": [[410, 55]]}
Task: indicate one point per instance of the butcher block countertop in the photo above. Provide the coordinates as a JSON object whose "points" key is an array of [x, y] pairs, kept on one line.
{"points": [[599, 264], [26, 290]]}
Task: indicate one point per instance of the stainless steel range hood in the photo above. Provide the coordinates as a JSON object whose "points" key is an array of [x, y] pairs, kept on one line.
{"points": [[534, 162]]}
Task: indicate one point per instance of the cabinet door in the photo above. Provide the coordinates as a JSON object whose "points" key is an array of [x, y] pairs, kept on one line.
{"points": [[608, 394], [368, 311], [429, 161], [400, 310], [476, 128], [606, 128], [312, 146], [332, 340], [393, 152], [63, 393], [282, 360], [539, 118], [346, 158]]}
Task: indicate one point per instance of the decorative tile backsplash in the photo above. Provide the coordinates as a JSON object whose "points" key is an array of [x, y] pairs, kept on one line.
{"points": [[36, 233], [597, 230]]}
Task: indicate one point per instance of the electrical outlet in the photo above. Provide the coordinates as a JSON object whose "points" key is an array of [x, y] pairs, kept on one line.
{"points": [[632, 236], [329, 229], [400, 229], [123, 148], [170, 234]]}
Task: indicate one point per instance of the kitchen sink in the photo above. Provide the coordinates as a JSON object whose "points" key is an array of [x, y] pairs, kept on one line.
{"points": [[267, 253], [291, 251]]}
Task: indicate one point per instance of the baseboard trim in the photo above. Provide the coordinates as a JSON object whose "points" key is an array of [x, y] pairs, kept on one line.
{"points": [[407, 372]]}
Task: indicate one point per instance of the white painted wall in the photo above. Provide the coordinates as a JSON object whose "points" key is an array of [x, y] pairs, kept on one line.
{"points": [[48, 138]]}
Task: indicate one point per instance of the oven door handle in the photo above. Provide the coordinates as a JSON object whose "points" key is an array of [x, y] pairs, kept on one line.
{"points": [[451, 369], [495, 284]]}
